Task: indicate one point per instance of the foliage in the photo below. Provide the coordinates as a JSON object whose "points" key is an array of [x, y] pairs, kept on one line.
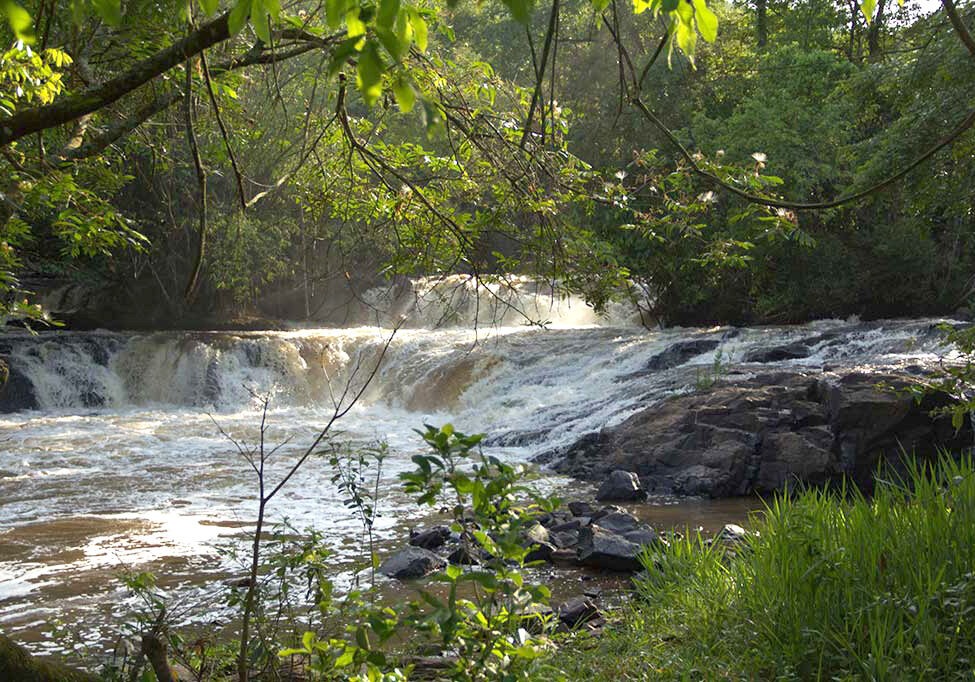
{"points": [[830, 585], [955, 377], [27, 76], [487, 634]]}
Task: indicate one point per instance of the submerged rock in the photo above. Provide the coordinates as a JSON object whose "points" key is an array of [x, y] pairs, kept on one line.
{"points": [[411, 563]]}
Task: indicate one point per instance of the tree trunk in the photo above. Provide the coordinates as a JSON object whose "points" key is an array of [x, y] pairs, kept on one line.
{"points": [[876, 30], [761, 23]]}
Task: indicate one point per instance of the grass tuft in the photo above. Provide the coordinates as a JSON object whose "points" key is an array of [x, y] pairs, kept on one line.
{"points": [[833, 586]]}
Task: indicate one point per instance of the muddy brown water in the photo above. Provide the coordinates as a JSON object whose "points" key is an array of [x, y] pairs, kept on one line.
{"points": [[62, 578]]}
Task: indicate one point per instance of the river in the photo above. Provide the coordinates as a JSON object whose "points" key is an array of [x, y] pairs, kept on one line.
{"points": [[124, 460]]}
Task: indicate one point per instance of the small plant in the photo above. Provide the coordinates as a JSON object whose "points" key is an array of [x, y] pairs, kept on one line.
{"points": [[485, 636], [706, 379], [954, 379], [361, 488]]}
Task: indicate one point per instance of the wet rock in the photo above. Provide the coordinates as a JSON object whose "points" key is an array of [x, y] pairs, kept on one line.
{"points": [[644, 536], [17, 391], [540, 551], [566, 538], [574, 524], [617, 522], [681, 352], [431, 538], [621, 486], [792, 351], [411, 563], [608, 509], [462, 556], [537, 534], [768, 433], [732, 533], [581, 508], [564, 556], [576, 611], [599, 548]]}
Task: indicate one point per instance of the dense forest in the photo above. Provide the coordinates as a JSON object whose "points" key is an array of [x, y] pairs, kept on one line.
{"points": [[182, 170]]}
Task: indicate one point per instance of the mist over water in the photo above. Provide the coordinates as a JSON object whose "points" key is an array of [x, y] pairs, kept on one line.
{"points": [[122, 463]]}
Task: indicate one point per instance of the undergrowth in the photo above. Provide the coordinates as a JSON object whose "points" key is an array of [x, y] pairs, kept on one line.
{"points": [[831, 586]]}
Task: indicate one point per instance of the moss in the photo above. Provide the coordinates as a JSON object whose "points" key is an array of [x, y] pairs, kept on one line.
{"points": [[17, 664]]}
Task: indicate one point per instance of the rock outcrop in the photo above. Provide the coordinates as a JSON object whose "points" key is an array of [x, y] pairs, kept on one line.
{"points": [[766, 433]]}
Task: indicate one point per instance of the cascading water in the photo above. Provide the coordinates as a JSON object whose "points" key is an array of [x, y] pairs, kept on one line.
{"points": [[114, 454]]}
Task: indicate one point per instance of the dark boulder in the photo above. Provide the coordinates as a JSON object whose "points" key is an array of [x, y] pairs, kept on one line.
{"points": [[792, 351], [621, 486], [577, 611], [411, 563], [681, 352], [599, 548], [464, 556], [617, 521], [16, 390], [431, 538], [540, 551], [644, 536], [581, 508]]}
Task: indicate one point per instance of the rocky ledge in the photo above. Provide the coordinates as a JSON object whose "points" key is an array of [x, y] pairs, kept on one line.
{"points": [[767, 432]]}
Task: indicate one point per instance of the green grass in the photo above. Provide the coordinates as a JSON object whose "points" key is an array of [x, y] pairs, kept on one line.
{"points": [[833, 587]]}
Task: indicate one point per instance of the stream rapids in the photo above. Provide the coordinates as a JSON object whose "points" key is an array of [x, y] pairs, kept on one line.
{"points": [[118, 457]]}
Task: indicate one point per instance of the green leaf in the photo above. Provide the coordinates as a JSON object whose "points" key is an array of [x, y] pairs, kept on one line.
{"points": [[369, 77], [600, 5], [405, 97], [273, 7], [686, 35], [341, 54], [238, 16], [19, 20], [209, 6], [520, 10], [334, 11], [707, 21], [393, 46], [261, 21], [453, 572], [420, 29], [388, 11], [346, 659], [355, 26], [868, 6], [109, 10]]}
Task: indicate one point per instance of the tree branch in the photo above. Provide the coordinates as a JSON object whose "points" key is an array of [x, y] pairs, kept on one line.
{"points": [[28, 121], [194, 281]]}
